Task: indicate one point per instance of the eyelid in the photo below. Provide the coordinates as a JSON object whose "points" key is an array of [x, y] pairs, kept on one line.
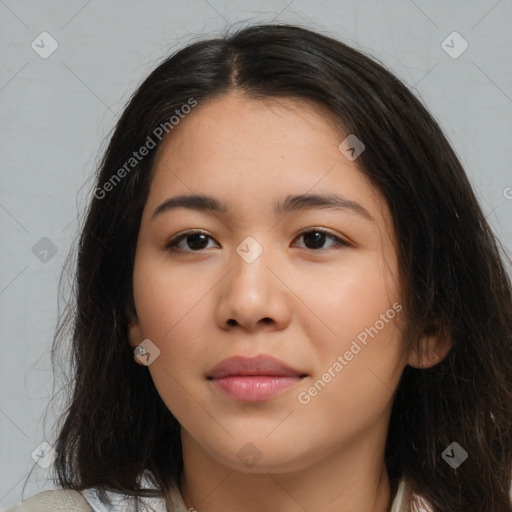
{"points": [[327, 232], [177, 238]]}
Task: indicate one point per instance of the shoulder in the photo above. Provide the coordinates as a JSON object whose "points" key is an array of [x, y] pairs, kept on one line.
{"points": [[56, 500]]}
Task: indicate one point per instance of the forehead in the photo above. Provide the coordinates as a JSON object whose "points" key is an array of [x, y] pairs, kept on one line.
{"points": [[249, 152], [242, 127]]}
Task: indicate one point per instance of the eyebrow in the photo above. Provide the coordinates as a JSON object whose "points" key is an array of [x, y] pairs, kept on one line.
{"points": [[292, 203]]}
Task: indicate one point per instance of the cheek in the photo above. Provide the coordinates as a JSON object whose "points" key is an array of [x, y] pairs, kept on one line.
{"points": [[347, 299], [359, 347], [173, 309], [169, 302], [352, 390]]}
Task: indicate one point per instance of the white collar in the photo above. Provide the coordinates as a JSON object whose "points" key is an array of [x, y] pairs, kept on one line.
{"points": [[121, 502]]}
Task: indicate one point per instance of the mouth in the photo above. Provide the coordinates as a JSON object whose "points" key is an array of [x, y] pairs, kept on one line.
{"points": [[253, 379], [254, 388]]}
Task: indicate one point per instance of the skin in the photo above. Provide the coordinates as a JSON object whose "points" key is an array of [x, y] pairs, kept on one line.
{"points": [[304, 306]]}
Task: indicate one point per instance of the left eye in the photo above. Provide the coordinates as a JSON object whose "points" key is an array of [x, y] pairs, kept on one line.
{"points": [[318, 237], [198, 239]]}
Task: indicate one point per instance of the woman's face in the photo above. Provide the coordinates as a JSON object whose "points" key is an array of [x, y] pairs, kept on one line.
{"points": [[312, 286]]}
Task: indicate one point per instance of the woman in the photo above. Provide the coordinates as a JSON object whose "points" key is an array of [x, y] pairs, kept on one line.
{"points": [[225, 357]]}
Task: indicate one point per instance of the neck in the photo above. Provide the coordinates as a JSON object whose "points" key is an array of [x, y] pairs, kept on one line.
{"points": [[352, 478]]}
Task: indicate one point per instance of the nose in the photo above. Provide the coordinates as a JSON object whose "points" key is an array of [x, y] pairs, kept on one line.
{"points": [[253, 295]]}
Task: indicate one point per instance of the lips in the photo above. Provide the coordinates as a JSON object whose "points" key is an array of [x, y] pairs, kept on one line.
{"points": [[253, 379], [247, 366]]}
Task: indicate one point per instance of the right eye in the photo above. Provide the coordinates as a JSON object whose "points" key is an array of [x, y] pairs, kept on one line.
{"points": [[195, 240]]}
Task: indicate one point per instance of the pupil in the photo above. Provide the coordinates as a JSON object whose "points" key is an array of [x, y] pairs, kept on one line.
{"points": [[201, 244], [316, 237]]}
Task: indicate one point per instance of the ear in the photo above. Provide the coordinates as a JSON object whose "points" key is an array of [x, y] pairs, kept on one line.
{"points": [[135, 336], [435, 344]]}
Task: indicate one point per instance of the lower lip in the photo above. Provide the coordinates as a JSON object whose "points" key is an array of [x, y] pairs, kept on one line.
{"points": [[254, 388]]}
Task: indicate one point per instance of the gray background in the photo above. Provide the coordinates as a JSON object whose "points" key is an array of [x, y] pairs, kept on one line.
{"points": [[56, 113]]}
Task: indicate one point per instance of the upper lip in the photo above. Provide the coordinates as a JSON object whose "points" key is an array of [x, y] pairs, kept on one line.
{"points": [[259, 365]]}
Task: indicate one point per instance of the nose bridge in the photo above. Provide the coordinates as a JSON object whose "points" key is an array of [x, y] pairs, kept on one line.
{"points": [[251, 291], [250, 272]]}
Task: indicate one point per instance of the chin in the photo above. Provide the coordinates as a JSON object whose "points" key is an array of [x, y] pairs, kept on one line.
{"points": [[265, 456]]}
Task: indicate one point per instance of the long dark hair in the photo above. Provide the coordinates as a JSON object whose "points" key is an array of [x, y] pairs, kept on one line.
{"points": [[452, 275]]}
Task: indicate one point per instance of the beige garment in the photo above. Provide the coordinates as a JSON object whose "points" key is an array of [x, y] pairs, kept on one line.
{"points": [[57, 500], [64, 500]]}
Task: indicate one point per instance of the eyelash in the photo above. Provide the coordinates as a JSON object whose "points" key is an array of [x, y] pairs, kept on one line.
{"points": [[171, 245]]}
